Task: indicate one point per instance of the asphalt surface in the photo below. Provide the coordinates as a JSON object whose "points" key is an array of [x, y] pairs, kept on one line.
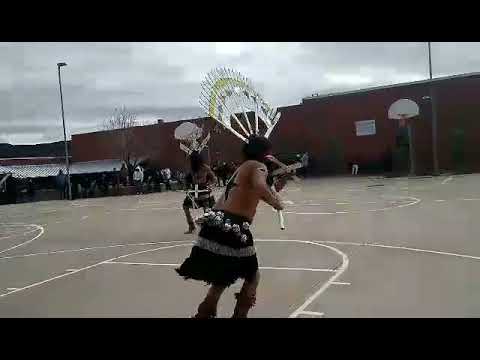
{"points": [[353, 247]]}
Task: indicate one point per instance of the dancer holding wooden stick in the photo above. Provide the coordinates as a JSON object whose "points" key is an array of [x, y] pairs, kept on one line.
{"points": [[224, 250]]}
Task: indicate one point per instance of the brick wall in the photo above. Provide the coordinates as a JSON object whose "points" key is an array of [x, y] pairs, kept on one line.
{"points": [[324, 126]]}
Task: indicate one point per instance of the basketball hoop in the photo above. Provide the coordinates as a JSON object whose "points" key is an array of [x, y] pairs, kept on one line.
{"points": [[189, 136], [402, 110], [187, 132]]}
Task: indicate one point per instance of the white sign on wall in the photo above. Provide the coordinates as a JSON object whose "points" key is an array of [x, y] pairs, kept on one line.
{"points": [[366, 127]]}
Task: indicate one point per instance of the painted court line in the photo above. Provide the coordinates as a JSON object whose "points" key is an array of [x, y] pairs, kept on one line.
{"points": [[340, 283], [37, 227], [338, 272], [450, 178], [155, 208], [172, 208], [312, 313], [440, 200], [150, 202], [325, 286], [296, 269], [91, 248], [261, 267], [140, 263], [9, 234], [465, 256], [414, 201], [85, 268], [314, 296], [30, 231], [308, 213], [470, 199], [299, 310]]}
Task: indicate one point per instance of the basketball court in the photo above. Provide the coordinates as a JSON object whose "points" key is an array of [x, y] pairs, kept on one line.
{"points": [[353, 247]]}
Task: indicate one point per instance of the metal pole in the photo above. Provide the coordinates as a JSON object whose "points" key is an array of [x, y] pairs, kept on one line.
{"points": [[411, 149], [430, 59], [434, 116], [67, 162]]}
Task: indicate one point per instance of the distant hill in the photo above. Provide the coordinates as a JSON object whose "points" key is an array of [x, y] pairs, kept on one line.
{"points": [[38, 150]]}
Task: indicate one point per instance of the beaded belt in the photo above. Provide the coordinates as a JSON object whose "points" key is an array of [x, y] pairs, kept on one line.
{"points": [[220, 220]]}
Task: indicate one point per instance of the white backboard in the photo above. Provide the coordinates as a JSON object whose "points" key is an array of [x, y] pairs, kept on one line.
{"points": [[403, 109], [187, 131]]}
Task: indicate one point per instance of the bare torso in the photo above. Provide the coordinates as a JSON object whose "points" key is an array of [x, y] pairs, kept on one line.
{"points": [[241, 197], [204, 177]]}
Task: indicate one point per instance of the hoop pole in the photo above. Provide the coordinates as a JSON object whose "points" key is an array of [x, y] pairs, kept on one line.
{"points": [[411, 149]]}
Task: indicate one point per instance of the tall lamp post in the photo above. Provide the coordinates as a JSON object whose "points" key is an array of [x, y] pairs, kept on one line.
{"points": [[434, 116], [67, 162]]}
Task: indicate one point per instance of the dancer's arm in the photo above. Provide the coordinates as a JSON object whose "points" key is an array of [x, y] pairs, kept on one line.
{"points": [[262, 188]]}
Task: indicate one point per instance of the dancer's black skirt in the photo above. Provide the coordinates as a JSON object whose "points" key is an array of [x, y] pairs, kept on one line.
{"points": [[221, 254]]}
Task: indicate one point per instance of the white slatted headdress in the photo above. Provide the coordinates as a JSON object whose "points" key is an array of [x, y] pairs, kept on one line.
{"points": [[227, 95]]}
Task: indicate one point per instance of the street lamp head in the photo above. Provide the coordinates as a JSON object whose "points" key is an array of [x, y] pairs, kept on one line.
{"points": [[61, 64]]}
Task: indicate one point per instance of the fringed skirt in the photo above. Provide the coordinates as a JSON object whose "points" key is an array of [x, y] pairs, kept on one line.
{"points": [[223, 252]]}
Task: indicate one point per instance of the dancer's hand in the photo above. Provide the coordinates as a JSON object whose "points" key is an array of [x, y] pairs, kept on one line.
{"points": [[263, 189], [272, 158], [279, 183]]}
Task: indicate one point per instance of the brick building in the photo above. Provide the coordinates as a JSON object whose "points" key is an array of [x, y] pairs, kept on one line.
{"points": [[325, 126]]}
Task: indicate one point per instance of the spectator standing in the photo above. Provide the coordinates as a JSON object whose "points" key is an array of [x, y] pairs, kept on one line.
{"points": [[30, 189], [116, 181], [305, 159], [167, 175], [355, 167], [103, 186], [61, 184], [138, 179], [124, 175], [181, 179], [11, 188]]}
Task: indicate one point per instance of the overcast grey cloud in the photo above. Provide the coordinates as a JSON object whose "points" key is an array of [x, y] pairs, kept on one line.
{"points": [[162, 80]]}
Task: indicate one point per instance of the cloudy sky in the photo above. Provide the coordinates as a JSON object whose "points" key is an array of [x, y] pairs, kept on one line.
{"points": [[162, 80]]}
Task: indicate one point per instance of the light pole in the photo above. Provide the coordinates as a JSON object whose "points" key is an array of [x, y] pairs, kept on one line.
{"points": [[434, 115], [67, 162], [430, 59]]}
